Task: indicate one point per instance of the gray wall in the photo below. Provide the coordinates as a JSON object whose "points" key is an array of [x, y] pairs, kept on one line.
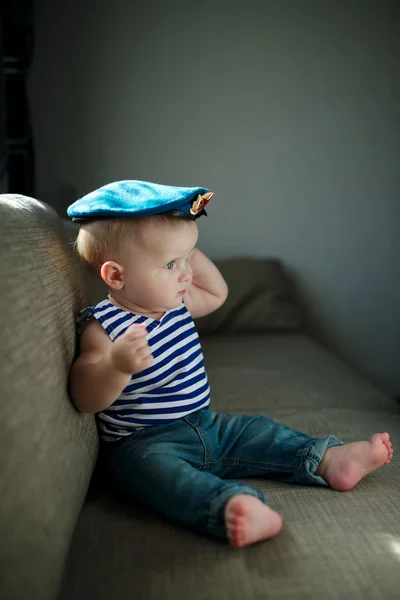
{"points": [[288, 110]]}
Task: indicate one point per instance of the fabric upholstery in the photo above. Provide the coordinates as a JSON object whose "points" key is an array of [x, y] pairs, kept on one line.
{"points": [[48, 449], [260, 299], [333, 545], [285, 371]]}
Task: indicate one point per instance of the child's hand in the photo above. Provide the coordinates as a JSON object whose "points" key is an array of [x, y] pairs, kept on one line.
{"points": [[130, 353]]}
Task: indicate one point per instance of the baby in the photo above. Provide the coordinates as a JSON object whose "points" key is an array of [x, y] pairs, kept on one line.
{"points": [[141, 370]]}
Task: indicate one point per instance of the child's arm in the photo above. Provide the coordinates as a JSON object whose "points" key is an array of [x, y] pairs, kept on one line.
{"points": [[208, 290], [104, 368]]}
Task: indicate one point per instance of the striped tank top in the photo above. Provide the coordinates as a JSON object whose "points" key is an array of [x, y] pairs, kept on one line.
{"points": [[175, 385]]}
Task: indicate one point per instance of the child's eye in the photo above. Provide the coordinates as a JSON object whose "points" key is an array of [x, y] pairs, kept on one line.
{"points": [[169, 266]]}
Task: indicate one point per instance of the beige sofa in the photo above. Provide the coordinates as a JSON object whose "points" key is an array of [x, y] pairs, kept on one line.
{"points": [[62, 535]]}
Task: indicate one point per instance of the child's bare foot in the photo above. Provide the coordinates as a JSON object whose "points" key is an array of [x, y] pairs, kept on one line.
{"points": [[343, 466], [248, 520]]}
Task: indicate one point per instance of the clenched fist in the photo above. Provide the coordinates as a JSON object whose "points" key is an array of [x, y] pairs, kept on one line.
{"points": [[130, 353]]}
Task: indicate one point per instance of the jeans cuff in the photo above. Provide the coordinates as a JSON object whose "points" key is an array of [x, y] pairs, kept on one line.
{"points": [[215, 522], [309, 458]]}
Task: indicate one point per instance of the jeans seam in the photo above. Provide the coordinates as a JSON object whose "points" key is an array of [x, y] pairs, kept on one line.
{"points": [[203, 440], [307, 454], [314, 458]]}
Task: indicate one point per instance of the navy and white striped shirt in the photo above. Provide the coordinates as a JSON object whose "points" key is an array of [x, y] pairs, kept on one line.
{"points": [[175, 385]]}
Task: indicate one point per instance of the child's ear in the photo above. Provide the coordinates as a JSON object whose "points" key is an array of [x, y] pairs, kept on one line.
{"points": [[113, 275]]}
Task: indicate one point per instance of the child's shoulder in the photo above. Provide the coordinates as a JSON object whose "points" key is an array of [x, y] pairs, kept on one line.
{"points": [[90, 313]]}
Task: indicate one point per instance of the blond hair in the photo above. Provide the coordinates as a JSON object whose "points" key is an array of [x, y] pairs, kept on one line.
{"points": [[105, 239]]}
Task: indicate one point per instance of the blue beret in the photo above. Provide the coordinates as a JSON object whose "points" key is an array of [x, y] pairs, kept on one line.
{"points": [[139, 198]]}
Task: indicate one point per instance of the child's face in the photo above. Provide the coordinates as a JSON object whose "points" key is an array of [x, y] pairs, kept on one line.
{"points": [[157, 268]]}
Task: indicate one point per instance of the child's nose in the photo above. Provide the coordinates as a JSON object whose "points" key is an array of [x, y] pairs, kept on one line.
{"points": [[186, 274]]}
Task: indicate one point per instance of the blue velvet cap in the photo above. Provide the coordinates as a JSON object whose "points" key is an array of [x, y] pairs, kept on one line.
{"points": [[132, 198]]}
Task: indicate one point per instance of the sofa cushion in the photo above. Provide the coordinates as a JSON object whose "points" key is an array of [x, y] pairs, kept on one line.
{"points": [[333, 545], [48, 449], [261, 298], [284, 371]]}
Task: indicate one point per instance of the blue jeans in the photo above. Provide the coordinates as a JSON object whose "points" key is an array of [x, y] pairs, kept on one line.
{"points": [[184, 469]]}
